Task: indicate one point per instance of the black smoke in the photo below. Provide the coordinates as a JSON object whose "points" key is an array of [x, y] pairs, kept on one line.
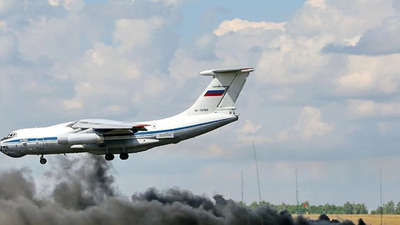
{"points": [[84, 192], [82, 184]]}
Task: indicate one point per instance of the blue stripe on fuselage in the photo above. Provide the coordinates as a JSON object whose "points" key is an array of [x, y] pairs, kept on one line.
{"points": [[32, 139], [180, 128]]}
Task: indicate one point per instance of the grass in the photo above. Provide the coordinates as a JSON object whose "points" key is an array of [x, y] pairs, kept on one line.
{"points": [[370, 219]]}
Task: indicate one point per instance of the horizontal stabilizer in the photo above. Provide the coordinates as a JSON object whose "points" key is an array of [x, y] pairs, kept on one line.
{"points": [[221, 71]]}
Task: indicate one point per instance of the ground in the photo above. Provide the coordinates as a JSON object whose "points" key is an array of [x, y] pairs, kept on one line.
{"points": [[369, 219]]}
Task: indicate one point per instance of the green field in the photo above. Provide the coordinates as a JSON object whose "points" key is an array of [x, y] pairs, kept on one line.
{"points": [[370, 219]]}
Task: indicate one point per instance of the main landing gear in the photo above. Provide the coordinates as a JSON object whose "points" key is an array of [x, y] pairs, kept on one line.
{"points": [[42, 160], [123, 156], [109, 156]]}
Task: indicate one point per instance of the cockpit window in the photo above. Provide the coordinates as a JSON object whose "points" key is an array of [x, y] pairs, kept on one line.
{"points": [[11, 135]]}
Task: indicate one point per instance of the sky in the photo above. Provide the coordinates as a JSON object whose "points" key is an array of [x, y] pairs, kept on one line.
{"points": [[323, 100]]}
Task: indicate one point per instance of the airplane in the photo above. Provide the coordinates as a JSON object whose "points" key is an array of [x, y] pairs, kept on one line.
{"points": [[213, 109]]}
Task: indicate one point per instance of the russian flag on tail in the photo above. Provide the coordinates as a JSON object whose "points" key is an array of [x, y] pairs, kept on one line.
{"points": [[214, 93]]}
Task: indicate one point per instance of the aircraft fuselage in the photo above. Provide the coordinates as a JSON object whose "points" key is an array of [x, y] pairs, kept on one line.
{"points": [[54, 139]]}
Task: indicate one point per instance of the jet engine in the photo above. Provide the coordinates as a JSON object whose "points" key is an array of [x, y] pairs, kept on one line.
{"points": [[85, 138]]}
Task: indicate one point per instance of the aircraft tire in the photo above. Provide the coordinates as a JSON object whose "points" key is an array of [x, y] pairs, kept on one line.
{"points": [[43, 160], [124, 156], [109, 156]]}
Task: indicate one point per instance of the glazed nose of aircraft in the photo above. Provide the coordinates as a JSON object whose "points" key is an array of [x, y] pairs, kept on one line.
{"points": [[2, 146]]}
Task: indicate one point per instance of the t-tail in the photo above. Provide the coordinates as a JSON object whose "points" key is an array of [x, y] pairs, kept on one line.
{"points": [[222, 93]]}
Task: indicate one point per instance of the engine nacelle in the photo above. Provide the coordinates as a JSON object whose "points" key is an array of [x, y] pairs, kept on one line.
{"points": [[85, 138]]}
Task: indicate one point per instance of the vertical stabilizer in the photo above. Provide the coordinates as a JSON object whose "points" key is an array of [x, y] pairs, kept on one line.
{"points": [[222, 92]]}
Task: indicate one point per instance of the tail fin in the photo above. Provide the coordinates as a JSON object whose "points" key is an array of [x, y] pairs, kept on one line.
{"points": [[222, 92]]}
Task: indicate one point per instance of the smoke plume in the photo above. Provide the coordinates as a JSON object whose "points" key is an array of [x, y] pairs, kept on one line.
{"points": [[84, 192]]}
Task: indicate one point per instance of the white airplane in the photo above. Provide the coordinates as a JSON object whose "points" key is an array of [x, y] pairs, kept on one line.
{"points": [[214, 108]]}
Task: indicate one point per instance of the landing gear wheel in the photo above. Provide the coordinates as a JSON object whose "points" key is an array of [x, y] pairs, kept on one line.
{"points": [[124, 156], [109, 156], [42, 160]]}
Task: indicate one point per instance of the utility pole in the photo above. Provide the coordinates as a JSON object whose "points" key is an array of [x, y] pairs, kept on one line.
{"points": [[241, 182], [258, 182], [380, 181], [258, 177], [297, 195]]}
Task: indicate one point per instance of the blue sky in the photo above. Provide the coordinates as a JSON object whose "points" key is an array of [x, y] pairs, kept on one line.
{"points": [[324, 98]]}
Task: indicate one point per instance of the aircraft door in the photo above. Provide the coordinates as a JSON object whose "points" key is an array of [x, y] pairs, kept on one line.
{"points": [[39, 144], [35, 145]]}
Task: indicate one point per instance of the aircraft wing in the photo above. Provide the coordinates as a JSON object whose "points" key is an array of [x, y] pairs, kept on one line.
{"points": [[109, 125]]}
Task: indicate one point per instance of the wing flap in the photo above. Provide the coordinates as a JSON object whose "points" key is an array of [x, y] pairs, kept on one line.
{"points": [[109, 125]]}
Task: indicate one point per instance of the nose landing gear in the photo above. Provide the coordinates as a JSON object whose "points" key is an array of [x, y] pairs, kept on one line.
{"points": [[42, 160]]}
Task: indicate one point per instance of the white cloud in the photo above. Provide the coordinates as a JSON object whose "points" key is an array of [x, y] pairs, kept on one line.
{"points": [[241, 25], [310, 125], [210, 151], [368, 108], [117, 109], [102, 71], [366, 74], [130, 33], [6, 5], [51, 39], [278, 57], [183, 66], [281, 94], [106, 63], [381, 40], [295, 61], [72, 104], [362, 107], [356, 81], [250, 133], [8, 48], [343, 19], [249, 127], [154, 85], [91, 60], [169, 2], [317, 3], [54, 2], [386, 128], [75, 5], [3, 25]]}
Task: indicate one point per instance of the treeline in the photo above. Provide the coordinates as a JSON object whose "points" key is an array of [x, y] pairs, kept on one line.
{"points": [[347, 208], [388, 208]]}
